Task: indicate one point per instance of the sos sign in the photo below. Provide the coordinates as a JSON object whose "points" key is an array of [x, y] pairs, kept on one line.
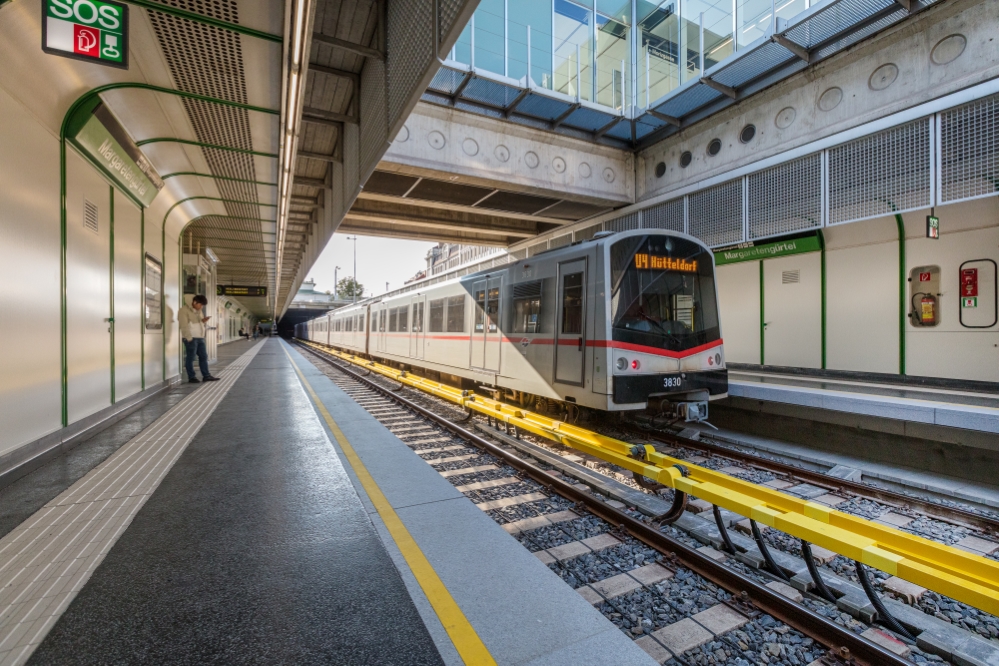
{"points": [[91, 30]]}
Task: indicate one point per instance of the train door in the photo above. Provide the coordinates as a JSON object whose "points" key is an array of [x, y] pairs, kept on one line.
{"points": [[486, 336], [416, 327], [570, 324]]}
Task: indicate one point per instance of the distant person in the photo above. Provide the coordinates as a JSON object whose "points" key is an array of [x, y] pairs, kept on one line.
{"points": [[256, 331], [192, 330]]}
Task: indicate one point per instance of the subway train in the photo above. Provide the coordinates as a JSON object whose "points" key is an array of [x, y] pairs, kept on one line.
{"points": [[621, 322]]}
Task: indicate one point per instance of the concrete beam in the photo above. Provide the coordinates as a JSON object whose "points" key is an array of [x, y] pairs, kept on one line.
{"points": [[339, 73], [722, 88], [428, 222], [419, 203], [402, 231], [344, 45], [311, 114]]}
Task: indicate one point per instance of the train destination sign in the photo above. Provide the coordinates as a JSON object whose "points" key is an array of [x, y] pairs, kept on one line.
{"points": [[236, 290], [91, 30], [754, 251], [96, 132], [654, 262]]}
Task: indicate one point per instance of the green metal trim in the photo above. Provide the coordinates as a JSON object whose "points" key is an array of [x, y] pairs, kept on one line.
{"points": [[188, 142], [207, 20], [111, 287], [63, 133], [822, 257], [901, 292], [209, 175], [762, 315]]}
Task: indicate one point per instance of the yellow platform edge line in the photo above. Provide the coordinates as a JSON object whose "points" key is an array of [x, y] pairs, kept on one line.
{"points": [[461, 632], [974, 581]]}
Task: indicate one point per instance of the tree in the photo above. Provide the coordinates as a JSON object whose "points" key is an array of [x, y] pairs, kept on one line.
{"points": [[347, 289]]}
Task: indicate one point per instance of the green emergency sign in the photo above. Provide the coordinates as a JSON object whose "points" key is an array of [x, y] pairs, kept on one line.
{"points": [[91, 30]]}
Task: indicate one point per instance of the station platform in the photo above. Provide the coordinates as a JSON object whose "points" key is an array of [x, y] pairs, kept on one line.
{"points": [[971, 410], [946, 432], [268, 518]]}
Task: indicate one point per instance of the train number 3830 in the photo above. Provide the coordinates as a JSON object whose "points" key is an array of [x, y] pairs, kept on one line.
{"points": [[671, 382]]}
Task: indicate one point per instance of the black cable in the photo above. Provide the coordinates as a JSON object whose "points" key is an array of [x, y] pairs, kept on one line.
{"points": [[820, 585], [762, 545], [883, 613], [724, 532]]}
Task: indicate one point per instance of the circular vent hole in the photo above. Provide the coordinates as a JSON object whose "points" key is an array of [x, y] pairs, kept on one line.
{"points": [[660, 170], [686, 158], [748, 133], [714, 147]]}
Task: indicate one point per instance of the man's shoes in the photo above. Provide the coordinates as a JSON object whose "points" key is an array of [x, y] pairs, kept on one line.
{"points": [[209, 378], [193, 380]]}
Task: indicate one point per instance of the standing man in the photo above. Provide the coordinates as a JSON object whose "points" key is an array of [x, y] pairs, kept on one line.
{"points": [[192, 330]]}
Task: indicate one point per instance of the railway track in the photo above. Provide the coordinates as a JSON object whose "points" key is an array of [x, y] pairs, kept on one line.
{"points": [[581, 537], [955, 515]]}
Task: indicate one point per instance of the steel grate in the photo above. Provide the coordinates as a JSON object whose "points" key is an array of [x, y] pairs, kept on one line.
{"points": [[537, 248], [560, 241], [786, 198], [374, 115], [588, 232], [626, 223], [969, 151], [667, 215], [878, 175], [716, 214]]}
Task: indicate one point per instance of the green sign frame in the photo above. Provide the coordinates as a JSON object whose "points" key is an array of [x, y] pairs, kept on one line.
{"points": [[94, 31], [99, 135], [756, 252]]}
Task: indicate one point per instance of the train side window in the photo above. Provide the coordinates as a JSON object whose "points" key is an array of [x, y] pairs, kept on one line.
{"points": [[572, 303], [480, 309], [418, 317], [404, 319], [381, 321], [393, 320], [360, 322], [436, 316], [456, 314], [527, 307]]}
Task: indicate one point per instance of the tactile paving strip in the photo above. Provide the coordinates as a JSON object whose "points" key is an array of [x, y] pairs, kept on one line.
{"points": [[48, 558]]}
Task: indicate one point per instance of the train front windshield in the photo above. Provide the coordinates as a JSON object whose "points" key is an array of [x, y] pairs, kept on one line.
{"points": [[663, 293]]}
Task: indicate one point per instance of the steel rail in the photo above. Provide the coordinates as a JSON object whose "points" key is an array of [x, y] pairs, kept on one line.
{"points": [[928, 507], [845, 643], [950, 571]]}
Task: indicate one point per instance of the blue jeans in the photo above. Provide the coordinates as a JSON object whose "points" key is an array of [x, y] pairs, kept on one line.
{"points": [[192, 347]]}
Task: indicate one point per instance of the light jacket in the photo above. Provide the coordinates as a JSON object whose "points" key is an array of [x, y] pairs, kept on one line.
{"points": [[191, 325]]}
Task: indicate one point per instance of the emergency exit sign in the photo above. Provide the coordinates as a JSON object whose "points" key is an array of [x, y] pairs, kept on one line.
{"points": [[91, 30]]}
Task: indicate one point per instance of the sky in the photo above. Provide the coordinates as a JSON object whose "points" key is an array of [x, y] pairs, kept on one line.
{"points": [[379, 260]]}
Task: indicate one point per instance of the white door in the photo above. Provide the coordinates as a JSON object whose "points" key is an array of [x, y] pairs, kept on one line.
{"points": [[570, 323], [493, 335], [792, 311]]}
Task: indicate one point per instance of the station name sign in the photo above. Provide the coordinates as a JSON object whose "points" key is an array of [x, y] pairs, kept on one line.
{"points": [[754, 251], [654, 262], [91, 30], [236, 290], [98, 133]]}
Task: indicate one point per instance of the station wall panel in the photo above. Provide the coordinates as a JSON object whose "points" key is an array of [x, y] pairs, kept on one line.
{"points": [[88, 288], [30, 391], [862, 307], [171, 305], [127, 297], [153, 347], [739, 302]]}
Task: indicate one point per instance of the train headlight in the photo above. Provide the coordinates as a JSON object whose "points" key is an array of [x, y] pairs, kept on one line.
{"points": [[622, 363], [635, 365]]}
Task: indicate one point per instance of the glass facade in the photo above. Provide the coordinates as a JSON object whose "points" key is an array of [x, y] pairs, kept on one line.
{"points": [[616, 53]]}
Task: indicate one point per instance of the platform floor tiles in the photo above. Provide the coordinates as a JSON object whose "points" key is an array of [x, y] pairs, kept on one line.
{"points": [[236, 529]]}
